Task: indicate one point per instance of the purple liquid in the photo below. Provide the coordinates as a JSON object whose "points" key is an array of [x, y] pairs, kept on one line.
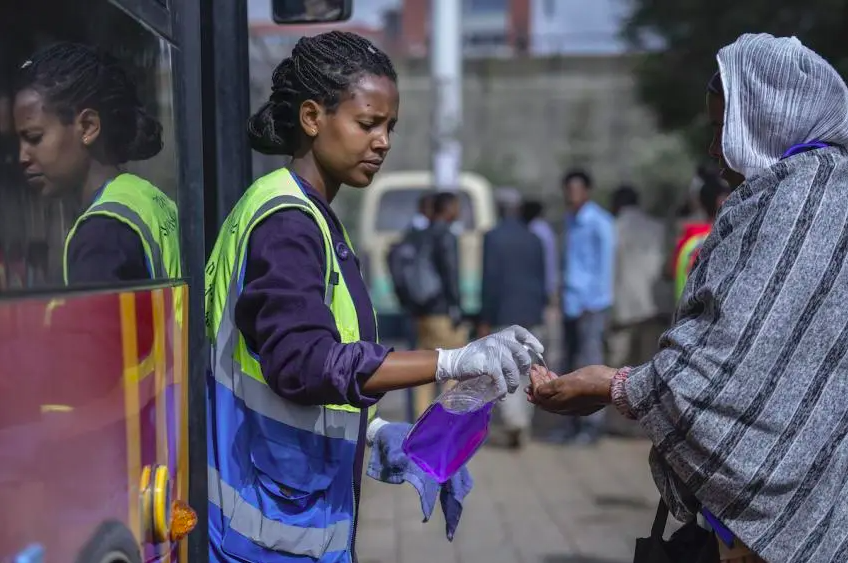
{"points": [[441, 442]]}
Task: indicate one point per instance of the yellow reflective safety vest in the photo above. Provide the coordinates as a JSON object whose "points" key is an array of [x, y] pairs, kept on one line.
{"points": [[281, 475], [145, 209]]}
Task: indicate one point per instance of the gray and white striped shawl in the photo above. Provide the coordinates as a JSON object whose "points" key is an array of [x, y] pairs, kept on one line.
{"points": [[747, 400]]}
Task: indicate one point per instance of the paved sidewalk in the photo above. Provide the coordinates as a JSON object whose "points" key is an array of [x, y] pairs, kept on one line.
{"points": [[546, 504]]}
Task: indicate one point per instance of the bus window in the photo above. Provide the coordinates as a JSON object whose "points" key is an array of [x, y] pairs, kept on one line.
{"points": [[88, 156], [89, 172], [397, 207]]}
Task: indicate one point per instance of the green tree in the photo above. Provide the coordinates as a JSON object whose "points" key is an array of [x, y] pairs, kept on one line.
{"points": [[672, 80]]}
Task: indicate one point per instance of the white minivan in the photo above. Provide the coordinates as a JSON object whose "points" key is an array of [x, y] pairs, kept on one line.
{"points": [[387, 209]]}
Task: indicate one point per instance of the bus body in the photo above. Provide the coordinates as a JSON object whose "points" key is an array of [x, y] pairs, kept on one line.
{"points": [[96, 400], [94, 414]]}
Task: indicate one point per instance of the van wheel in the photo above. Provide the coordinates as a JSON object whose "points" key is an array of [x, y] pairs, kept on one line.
{"points": [[111, 543]]}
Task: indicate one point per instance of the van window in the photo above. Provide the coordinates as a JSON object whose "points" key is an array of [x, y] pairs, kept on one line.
{"points": [[397, 207]]}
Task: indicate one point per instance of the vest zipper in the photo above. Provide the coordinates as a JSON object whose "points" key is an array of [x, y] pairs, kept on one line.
{"points": [[352, 540], [363, 425]]}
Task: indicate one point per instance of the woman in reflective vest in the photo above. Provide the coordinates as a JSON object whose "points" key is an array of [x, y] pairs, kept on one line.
{"points": [[79, 120], [295, 359]]}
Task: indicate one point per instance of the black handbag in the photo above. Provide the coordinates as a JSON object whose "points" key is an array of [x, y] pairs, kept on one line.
{"points": [[689, 544]]}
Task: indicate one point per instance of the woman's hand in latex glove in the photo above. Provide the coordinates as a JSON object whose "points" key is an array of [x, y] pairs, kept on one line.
{"points": [[503, 356]]}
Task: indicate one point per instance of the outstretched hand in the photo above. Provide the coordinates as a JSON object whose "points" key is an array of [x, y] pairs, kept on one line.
{"points": [[579, 393]]}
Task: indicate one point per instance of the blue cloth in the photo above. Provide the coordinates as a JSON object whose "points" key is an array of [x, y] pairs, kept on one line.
{"points": [[720, 529], [588, 261], [389, 464]]}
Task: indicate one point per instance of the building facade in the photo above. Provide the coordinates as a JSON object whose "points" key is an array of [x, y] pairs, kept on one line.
{"points": [[490, 28]]}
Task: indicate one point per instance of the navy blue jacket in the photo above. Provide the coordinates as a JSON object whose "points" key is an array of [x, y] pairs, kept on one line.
{"points": [[513, 289]]}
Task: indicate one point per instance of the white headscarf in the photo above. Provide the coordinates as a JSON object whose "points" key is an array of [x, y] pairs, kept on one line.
{"points": [[778, 93]]}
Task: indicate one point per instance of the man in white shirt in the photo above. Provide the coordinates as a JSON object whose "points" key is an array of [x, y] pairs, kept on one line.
{"points": [[531, 212], [642, 297]]}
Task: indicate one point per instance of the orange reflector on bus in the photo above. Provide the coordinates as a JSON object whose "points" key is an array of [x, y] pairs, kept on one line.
{"points": [[183, 520]]}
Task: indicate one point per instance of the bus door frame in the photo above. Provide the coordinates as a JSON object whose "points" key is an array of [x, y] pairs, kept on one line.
{"points": [[226, 90], [180, 23]]}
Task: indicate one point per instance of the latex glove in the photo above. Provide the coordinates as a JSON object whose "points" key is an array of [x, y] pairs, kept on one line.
{"points": [[503, 356]]}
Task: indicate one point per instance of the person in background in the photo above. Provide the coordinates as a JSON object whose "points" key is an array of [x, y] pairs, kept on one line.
{"points": [[296, 367], [421, 220], [413, 234], [513, 292], [637, 319], [712, 194], [79, 121], [440, 324], [588, 281], [690, 209], [532, 215]]}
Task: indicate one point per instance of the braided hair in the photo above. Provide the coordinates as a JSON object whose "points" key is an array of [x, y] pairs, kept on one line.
{"points": [[322, 69], [72, 77]]}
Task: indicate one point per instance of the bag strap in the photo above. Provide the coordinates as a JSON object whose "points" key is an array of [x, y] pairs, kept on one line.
{"points": [[660, 520]]}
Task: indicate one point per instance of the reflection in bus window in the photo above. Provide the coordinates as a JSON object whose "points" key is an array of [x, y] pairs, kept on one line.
{"points": [[79, 121], [88, 163]]}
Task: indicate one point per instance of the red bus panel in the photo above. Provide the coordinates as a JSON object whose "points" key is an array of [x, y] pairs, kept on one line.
{"points": [[93, 421]]}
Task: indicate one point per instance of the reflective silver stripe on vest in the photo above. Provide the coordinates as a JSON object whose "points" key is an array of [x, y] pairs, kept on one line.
{"points": [[120, 209], [261, 399], [256, 395], [249, 521]]}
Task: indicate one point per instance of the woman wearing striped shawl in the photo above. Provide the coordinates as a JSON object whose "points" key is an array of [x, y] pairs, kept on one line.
{"points": [[746, 401]]}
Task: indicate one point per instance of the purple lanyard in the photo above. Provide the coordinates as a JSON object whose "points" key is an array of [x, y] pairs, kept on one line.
{"points": [[804, 147], [720, 529]]}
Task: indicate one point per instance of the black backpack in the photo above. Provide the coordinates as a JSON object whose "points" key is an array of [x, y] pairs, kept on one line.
{"points": [[417, 283]]}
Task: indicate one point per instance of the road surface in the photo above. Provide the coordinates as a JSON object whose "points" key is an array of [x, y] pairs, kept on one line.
{"points": [[544, 504]]}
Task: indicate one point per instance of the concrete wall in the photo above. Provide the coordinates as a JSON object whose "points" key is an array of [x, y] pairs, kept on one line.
{"points": [[524, 120]]}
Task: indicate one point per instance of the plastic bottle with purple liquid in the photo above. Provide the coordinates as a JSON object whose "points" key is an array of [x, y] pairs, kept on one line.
{"points": [[451, 430], [454, 427]]}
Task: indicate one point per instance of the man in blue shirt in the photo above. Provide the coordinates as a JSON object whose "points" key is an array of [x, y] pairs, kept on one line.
{"points": [[588, 277]]}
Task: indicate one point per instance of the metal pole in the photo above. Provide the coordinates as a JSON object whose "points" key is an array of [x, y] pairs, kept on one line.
{"points": [[446, 77], [194, 127], [446, 74], [231, 76]]}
